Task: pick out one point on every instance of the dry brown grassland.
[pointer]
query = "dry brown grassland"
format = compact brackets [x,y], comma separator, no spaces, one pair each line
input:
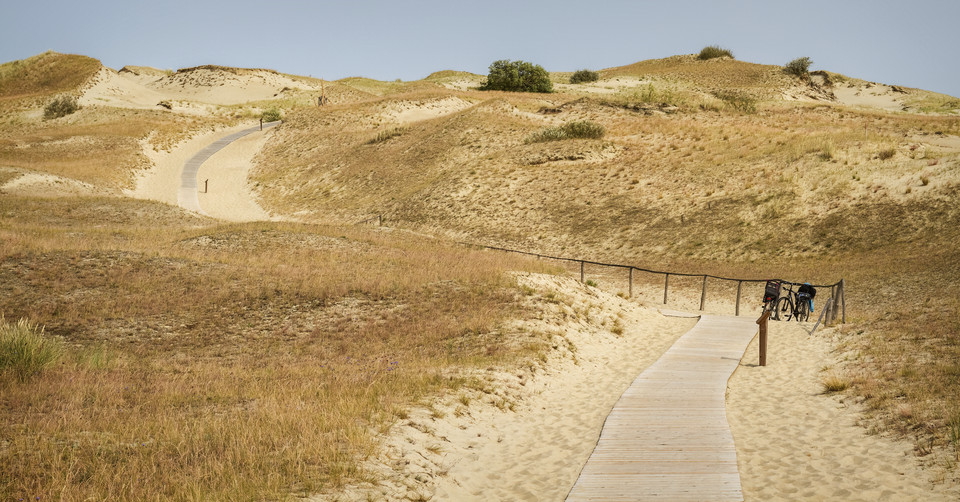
[228,361]
[215,361]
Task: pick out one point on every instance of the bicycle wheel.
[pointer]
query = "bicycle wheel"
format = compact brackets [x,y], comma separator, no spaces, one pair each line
[784,309]
[803,311]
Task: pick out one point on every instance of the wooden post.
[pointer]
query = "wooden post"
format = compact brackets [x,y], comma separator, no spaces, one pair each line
[205,185]
[763,336]
[666,285]
[703,295]
[843,300]
[630,293]
[261,123]
[581,272]
[379,220]
[739,288]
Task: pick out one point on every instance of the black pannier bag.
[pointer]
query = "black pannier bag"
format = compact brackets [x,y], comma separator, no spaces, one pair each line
[772,291]
[807,289]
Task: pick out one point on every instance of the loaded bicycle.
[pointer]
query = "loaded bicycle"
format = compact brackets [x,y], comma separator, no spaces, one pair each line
[795,304]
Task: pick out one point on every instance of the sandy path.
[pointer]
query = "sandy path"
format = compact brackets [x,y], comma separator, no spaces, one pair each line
[795,443]
[224,157]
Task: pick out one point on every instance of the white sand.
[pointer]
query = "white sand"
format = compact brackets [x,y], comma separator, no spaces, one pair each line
[796,443]
[229,195]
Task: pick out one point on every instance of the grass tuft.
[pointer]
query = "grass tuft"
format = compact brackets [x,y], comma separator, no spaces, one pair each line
[25,350]
[572,130]
[833,383]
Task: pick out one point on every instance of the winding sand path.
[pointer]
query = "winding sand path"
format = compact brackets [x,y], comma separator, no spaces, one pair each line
[229,174]
[225,158]
[668,438]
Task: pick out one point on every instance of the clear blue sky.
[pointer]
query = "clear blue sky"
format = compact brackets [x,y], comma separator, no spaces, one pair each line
[912,43]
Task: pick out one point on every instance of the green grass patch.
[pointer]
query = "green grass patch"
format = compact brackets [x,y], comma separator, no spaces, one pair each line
[25,350]
[572,130]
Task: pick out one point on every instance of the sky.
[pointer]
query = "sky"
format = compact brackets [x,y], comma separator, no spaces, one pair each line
[912,44]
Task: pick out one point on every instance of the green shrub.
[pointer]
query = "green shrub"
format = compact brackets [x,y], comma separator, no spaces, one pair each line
[581,76]
[517,76]
[799,67]
[271,115]
[584,129]
[714,51]
[61,107]
[25,350]
[571,130]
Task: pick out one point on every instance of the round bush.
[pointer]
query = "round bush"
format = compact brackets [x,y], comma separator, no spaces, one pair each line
[799,67]
[714,51]
[517,76]
[581,76]
[61,107]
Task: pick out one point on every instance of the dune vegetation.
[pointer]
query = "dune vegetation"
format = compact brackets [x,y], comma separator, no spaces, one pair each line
[207,360]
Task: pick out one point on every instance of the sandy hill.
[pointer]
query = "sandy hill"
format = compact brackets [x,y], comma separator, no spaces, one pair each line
[719,166]
[44,75]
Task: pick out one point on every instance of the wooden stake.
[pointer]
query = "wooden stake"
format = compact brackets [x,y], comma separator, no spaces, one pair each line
[205,184]
[739,287]
[581,272]
[703,294]
[666,285]
[763,337]
[630,294]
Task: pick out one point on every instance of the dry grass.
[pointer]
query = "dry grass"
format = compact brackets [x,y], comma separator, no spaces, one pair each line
[227,361]
[95,145]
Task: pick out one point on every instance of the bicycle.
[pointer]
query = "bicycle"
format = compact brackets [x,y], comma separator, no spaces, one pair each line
[792,305]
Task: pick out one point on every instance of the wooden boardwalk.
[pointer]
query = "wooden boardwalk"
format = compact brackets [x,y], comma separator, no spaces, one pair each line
[667,437]
[187,197]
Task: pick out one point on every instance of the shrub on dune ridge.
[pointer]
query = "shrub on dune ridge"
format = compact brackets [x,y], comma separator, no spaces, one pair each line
[714,51]
[581,76]
[517,76]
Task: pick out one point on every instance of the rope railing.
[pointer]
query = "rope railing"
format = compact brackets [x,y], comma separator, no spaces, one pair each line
[829,315]
[830,310]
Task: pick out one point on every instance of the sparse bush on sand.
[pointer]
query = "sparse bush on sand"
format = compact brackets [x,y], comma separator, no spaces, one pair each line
[714,51]
[386,134]
[61,107]
[581,76]
[799,67]
[581,129]
[517,76]
[272,115]
[25,350]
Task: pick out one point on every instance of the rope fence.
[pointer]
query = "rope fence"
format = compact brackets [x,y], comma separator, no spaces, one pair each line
[834,307]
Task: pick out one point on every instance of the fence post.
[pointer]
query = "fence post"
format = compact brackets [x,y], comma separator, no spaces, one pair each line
[703,295]
[739,288]
[763,336]
[379,220]
[206,183]
[666,285]
[261,123]
[581,272]
[630,294]
[843,300]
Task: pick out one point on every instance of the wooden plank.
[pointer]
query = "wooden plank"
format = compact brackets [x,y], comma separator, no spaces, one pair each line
[668,438]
